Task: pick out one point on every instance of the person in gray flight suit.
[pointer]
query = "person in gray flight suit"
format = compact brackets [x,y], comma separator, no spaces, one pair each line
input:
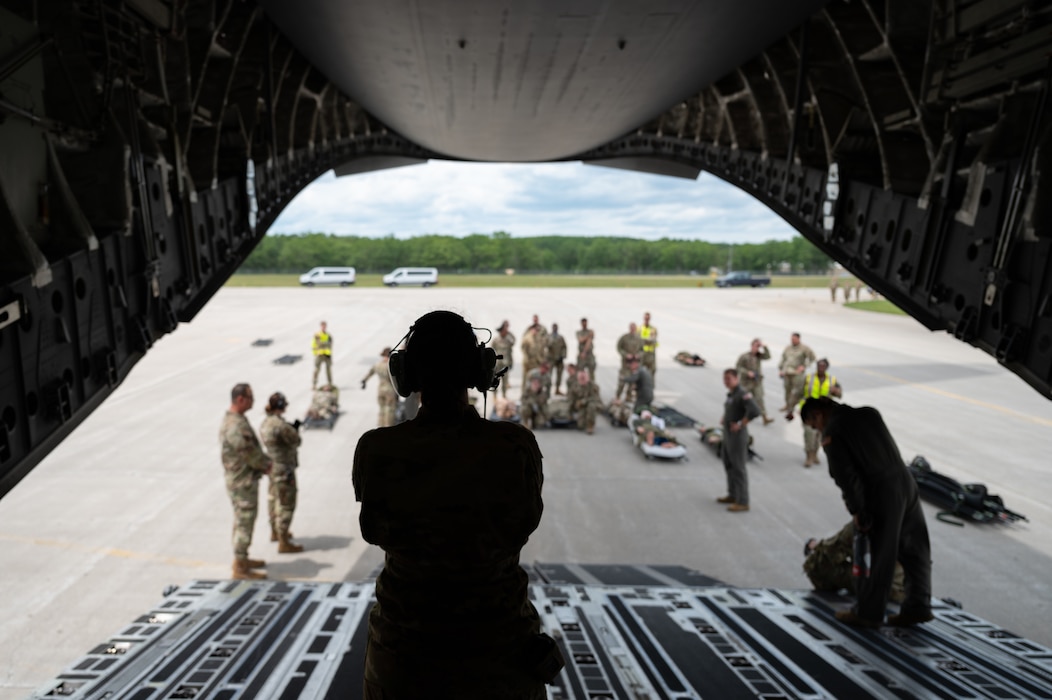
[738,409]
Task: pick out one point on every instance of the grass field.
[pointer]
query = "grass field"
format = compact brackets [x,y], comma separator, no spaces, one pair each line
[452,280]
[879,305]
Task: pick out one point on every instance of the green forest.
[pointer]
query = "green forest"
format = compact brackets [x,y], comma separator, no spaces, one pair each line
[496,252]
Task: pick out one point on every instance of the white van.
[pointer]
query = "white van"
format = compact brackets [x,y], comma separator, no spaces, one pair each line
[424,276]
[343,276]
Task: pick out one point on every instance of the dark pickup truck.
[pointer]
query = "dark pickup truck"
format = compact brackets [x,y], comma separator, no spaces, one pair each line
[741,279]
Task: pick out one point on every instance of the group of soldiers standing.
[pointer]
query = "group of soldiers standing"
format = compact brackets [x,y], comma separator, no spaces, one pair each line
[545,353]
[245,462]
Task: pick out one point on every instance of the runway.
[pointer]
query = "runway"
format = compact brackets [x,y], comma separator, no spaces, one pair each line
[134,501]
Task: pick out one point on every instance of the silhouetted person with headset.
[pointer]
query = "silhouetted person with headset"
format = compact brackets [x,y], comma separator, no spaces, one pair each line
[451,498]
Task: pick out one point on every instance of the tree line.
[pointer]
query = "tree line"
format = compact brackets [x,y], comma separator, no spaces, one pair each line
[496,252]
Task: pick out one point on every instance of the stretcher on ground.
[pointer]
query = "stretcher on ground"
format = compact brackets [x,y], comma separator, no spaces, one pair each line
[659,449]
[559,414]
[324,408]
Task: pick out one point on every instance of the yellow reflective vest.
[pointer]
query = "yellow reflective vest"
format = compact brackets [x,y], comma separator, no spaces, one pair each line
[813,388]
[322,344]
[646,333]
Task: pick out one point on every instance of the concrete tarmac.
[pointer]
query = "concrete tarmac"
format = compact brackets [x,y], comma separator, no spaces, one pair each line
[134,502]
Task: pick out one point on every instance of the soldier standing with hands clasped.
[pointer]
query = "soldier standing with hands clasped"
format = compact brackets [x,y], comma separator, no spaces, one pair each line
[244,462]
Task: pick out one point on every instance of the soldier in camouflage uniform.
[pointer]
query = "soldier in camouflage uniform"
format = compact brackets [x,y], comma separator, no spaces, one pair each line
[544,374]
[584,401]
[796,358]
[557,355]
[533,409]
[628,345]
[244,462]
[534,348]
[386,395]
[281,440]
[503,342]
[750,373]
[827,564]
[586,347]
[451,498]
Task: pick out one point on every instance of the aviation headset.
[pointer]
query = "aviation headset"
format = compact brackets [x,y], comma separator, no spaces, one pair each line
[277,402]
[476,370]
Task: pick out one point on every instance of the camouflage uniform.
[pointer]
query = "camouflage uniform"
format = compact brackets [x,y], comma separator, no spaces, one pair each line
[627,345]
[619,411]
[642,426]
[586,350]
[828,566]
[451,499]
[503,345]
[244,462]
[534,349]
[324,403]
[281,440]
[545,378]
[386,395]
[793,379]
[533,409]
[748,362]
[585,404]
[557,357]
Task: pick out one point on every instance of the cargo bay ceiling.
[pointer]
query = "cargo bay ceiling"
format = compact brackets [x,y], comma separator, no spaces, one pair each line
[147,145]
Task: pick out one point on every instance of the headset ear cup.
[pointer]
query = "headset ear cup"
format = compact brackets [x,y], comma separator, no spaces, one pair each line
[487,363]
[396,366]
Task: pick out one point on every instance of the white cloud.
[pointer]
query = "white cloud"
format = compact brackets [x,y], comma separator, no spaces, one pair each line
[529,200]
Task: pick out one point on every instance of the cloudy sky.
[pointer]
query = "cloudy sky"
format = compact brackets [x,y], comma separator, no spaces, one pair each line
[529,200]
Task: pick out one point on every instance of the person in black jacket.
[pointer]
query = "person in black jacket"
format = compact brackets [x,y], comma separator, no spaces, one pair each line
[882,497]
[451,498]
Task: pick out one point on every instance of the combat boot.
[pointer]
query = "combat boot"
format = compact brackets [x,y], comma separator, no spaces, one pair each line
[242,571]
[287,546]
[810,459]
[255,563]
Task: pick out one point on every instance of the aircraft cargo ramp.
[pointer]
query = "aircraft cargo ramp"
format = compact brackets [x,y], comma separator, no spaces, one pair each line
[626,632]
